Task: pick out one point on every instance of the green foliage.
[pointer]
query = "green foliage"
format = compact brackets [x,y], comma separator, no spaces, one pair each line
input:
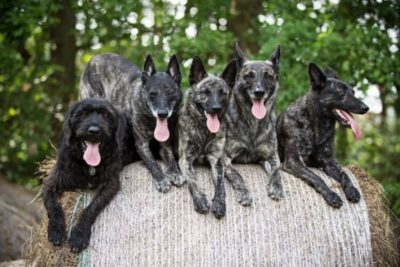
[350,36]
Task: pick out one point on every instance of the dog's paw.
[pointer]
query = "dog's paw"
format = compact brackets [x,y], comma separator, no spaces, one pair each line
[56,233]
[333,200]
[176,179]
[245,198]
[352,194]
[201,204]
[218,208]
[79,239]
[275,190]
[164,185]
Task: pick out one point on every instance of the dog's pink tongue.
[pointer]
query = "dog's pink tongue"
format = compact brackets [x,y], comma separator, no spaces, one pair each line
[161,133]
[354,127]
[259,111]
[212,122]
[92,155]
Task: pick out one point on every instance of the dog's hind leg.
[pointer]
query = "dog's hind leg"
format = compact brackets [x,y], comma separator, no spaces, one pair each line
[218,205]
[237,182]
[56,226]
[331,167]
[142,147]
[294,165]
[272,168]
[81,232]
[173,172]
[199,198]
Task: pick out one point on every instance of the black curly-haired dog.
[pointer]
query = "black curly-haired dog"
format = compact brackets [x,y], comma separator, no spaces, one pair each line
[93,151]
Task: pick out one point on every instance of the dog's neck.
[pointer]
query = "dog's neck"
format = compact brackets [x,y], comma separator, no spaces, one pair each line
[323,125]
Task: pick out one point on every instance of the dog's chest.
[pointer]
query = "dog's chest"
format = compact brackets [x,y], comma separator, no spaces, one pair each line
[314,137]
[250,142]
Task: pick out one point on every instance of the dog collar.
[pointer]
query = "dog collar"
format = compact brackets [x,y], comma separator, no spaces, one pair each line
[92,171]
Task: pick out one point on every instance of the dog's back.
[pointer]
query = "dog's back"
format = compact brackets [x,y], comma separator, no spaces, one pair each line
[111,77]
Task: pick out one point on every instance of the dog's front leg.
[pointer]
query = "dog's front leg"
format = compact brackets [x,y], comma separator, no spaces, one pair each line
[81,232]
[331,167]
[272,168]
[294,165]
[199,198]
[237,182]
[56,225]
[163,184]
[173,172]
[218,205]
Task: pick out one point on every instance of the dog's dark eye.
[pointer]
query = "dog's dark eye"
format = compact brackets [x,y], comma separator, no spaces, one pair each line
[248,77]
[153,94]
[266,75]
[207,91]
[221,91]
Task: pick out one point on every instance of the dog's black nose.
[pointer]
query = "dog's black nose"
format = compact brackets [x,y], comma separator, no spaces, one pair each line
[216,108]
[259,93]
[162,114]
[93,130]
[364,109]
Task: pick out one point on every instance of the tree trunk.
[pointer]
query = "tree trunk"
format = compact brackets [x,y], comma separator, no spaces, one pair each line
[244,23]
[342,144]
[63,53]
[382,94]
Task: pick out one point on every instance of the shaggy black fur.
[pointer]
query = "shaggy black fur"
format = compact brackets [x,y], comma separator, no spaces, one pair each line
[95,121]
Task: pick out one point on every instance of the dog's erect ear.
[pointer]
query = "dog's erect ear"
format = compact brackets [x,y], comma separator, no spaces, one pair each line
[330,73]
[197,71]
[67,128]
[275,58]
[173,70]
[229,74]
[317,76]
[240,57]
[149,69]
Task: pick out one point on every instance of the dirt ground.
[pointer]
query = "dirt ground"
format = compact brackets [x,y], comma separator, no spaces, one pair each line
[17,218]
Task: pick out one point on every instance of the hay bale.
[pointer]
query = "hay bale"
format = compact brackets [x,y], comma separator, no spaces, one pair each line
[383,239]
[142,227]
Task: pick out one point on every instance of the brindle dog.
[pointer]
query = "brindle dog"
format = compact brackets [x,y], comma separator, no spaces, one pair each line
[251,118]
[306,132]
[150,98]
[202,132]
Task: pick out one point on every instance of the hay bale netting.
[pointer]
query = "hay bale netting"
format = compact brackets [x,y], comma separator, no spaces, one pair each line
[142,227]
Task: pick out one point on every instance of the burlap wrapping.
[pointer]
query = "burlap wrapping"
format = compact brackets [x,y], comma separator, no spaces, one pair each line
[142,227]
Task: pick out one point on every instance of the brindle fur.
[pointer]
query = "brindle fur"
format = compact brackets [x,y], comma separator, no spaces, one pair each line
[143,95]
[209,94]
[306,132]
[250,140]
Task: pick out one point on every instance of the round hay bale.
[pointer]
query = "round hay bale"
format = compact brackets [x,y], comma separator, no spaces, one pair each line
[142,227]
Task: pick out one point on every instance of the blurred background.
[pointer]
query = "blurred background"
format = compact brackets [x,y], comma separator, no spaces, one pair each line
[44,46]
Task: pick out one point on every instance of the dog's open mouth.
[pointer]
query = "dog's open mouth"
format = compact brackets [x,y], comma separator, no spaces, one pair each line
[258,109]
[347,120]
[91,153]
[213,123]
